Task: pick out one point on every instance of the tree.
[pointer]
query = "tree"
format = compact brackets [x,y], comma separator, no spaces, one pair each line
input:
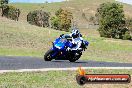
[55,23]
[62,20]
[129,23]
[10,12]
[111,20]
[2,2]
[39,18]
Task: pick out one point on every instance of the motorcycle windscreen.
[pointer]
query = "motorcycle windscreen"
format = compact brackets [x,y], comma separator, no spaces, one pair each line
[60,43]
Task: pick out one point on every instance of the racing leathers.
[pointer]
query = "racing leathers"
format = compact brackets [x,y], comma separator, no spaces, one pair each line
[75,41]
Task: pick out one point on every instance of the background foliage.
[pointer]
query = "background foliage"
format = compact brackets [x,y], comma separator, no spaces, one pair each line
[39,18]
[62,20]
[112,22]
[3,2]
[8,10]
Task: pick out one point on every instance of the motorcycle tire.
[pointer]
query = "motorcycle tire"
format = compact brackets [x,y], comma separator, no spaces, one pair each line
[47,56]
[73,59]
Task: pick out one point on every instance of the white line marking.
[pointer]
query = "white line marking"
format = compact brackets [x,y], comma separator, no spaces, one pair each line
[61,69]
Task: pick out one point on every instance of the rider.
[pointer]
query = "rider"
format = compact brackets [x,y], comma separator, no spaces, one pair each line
[76,39]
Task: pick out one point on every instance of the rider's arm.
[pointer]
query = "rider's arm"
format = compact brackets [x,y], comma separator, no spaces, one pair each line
[77,47]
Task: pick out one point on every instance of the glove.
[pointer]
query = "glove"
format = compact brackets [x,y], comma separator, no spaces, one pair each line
[61,35]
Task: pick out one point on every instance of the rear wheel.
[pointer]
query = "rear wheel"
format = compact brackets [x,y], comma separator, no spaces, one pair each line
[47,56]
[75,57]
[72,60]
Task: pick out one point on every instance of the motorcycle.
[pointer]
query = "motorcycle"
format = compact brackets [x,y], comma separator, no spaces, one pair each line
[59,50]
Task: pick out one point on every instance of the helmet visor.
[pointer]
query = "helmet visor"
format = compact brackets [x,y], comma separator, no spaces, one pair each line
[74,35]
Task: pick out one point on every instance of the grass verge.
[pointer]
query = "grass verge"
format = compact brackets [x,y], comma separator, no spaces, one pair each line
[55,79]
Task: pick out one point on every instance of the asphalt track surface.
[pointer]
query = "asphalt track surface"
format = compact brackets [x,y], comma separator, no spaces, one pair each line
[16,63]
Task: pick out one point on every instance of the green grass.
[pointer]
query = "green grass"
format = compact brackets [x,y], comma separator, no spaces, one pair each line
[103,49]
[23,39]
[55,79]
[20,52]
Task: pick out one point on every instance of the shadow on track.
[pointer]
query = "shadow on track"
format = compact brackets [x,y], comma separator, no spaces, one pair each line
[69,61]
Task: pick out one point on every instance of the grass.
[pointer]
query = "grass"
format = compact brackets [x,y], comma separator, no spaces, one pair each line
[23,39]
[20,52]
[104,50]
[55,79]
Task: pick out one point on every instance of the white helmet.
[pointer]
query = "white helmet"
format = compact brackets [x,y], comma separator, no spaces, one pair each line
[75,33]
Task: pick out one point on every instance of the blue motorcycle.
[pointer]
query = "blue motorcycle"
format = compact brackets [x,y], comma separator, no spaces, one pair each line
[59,50]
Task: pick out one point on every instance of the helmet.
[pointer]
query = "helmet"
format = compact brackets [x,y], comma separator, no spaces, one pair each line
[75,33]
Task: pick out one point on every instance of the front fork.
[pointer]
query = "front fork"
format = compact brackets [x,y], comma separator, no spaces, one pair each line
[54,54]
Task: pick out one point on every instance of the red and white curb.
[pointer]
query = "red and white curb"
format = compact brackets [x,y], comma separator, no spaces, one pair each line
[62,69]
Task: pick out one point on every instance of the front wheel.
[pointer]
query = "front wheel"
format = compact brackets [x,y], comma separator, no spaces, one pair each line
[47,56]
